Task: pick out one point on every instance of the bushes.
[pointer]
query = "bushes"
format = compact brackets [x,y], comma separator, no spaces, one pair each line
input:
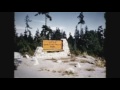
[23,46]
[77,52]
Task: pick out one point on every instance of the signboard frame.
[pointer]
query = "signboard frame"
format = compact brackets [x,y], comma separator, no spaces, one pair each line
[52,45]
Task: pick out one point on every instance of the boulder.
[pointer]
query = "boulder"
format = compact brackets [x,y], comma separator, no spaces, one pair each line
[36,61]
[78,65]
[70,70]
[27,56]
[17,55]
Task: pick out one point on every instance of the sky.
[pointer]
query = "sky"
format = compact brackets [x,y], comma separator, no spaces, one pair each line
[66,21]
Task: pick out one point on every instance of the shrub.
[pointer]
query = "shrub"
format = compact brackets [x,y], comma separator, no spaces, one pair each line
[90,69]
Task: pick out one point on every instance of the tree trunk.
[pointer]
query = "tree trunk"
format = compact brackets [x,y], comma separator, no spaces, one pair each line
[45,20]
[75,45]
[81,26]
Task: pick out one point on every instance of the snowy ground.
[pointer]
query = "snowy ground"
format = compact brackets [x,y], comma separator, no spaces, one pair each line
[58,68]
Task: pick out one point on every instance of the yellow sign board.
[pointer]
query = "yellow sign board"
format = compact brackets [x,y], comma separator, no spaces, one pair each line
[52,45]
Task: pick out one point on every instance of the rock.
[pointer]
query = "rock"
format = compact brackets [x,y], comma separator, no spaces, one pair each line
[17,59]
[70,70]
[27,56]
[36,61]
[17,55]
[78,65]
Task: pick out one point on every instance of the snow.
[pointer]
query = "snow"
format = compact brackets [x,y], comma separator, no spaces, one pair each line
[17,55]
[27,56]
[56,69]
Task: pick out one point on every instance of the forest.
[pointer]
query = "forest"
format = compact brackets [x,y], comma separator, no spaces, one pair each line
[83,41]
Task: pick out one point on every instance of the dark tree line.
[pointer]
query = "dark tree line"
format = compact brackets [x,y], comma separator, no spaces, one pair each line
[90,41]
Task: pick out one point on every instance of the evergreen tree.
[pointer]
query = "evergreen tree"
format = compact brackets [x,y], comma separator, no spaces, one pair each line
[27,28]
[46,29]
[76,35]
[57,35]
[86,29]
[38,39]
[30,38]
[101,35]
[64,35]
[46,16]
[81,20]
[71,41]
[15,39]
[27,20]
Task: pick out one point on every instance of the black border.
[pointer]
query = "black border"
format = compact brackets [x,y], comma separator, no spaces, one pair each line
[111,44]
[7,44]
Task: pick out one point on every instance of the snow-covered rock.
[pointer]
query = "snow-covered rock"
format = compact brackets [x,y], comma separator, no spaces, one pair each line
[36,61]
[70,70]
[27,56]
[17,55]
[39,53]
[78,65]
[17,59]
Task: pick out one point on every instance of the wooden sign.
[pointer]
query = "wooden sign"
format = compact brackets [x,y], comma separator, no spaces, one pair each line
[52,45]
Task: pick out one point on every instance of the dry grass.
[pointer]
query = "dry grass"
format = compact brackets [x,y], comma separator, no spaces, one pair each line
[67,73]
[54,71]
[84,61]
[90,69]
[100,63]
[65,58]
[89,75]
[84,56]
[59,71]
[72,55]
[73,64]
[53,59]
[65,61]
[73,59]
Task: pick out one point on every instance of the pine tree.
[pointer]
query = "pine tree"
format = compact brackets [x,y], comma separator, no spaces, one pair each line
[76,35]
[37,38]
[45,27]
[27,20]
[81,20]
[64,35]
[57,34]
[27,28]
[46,16]
[70,41]
[101,35]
